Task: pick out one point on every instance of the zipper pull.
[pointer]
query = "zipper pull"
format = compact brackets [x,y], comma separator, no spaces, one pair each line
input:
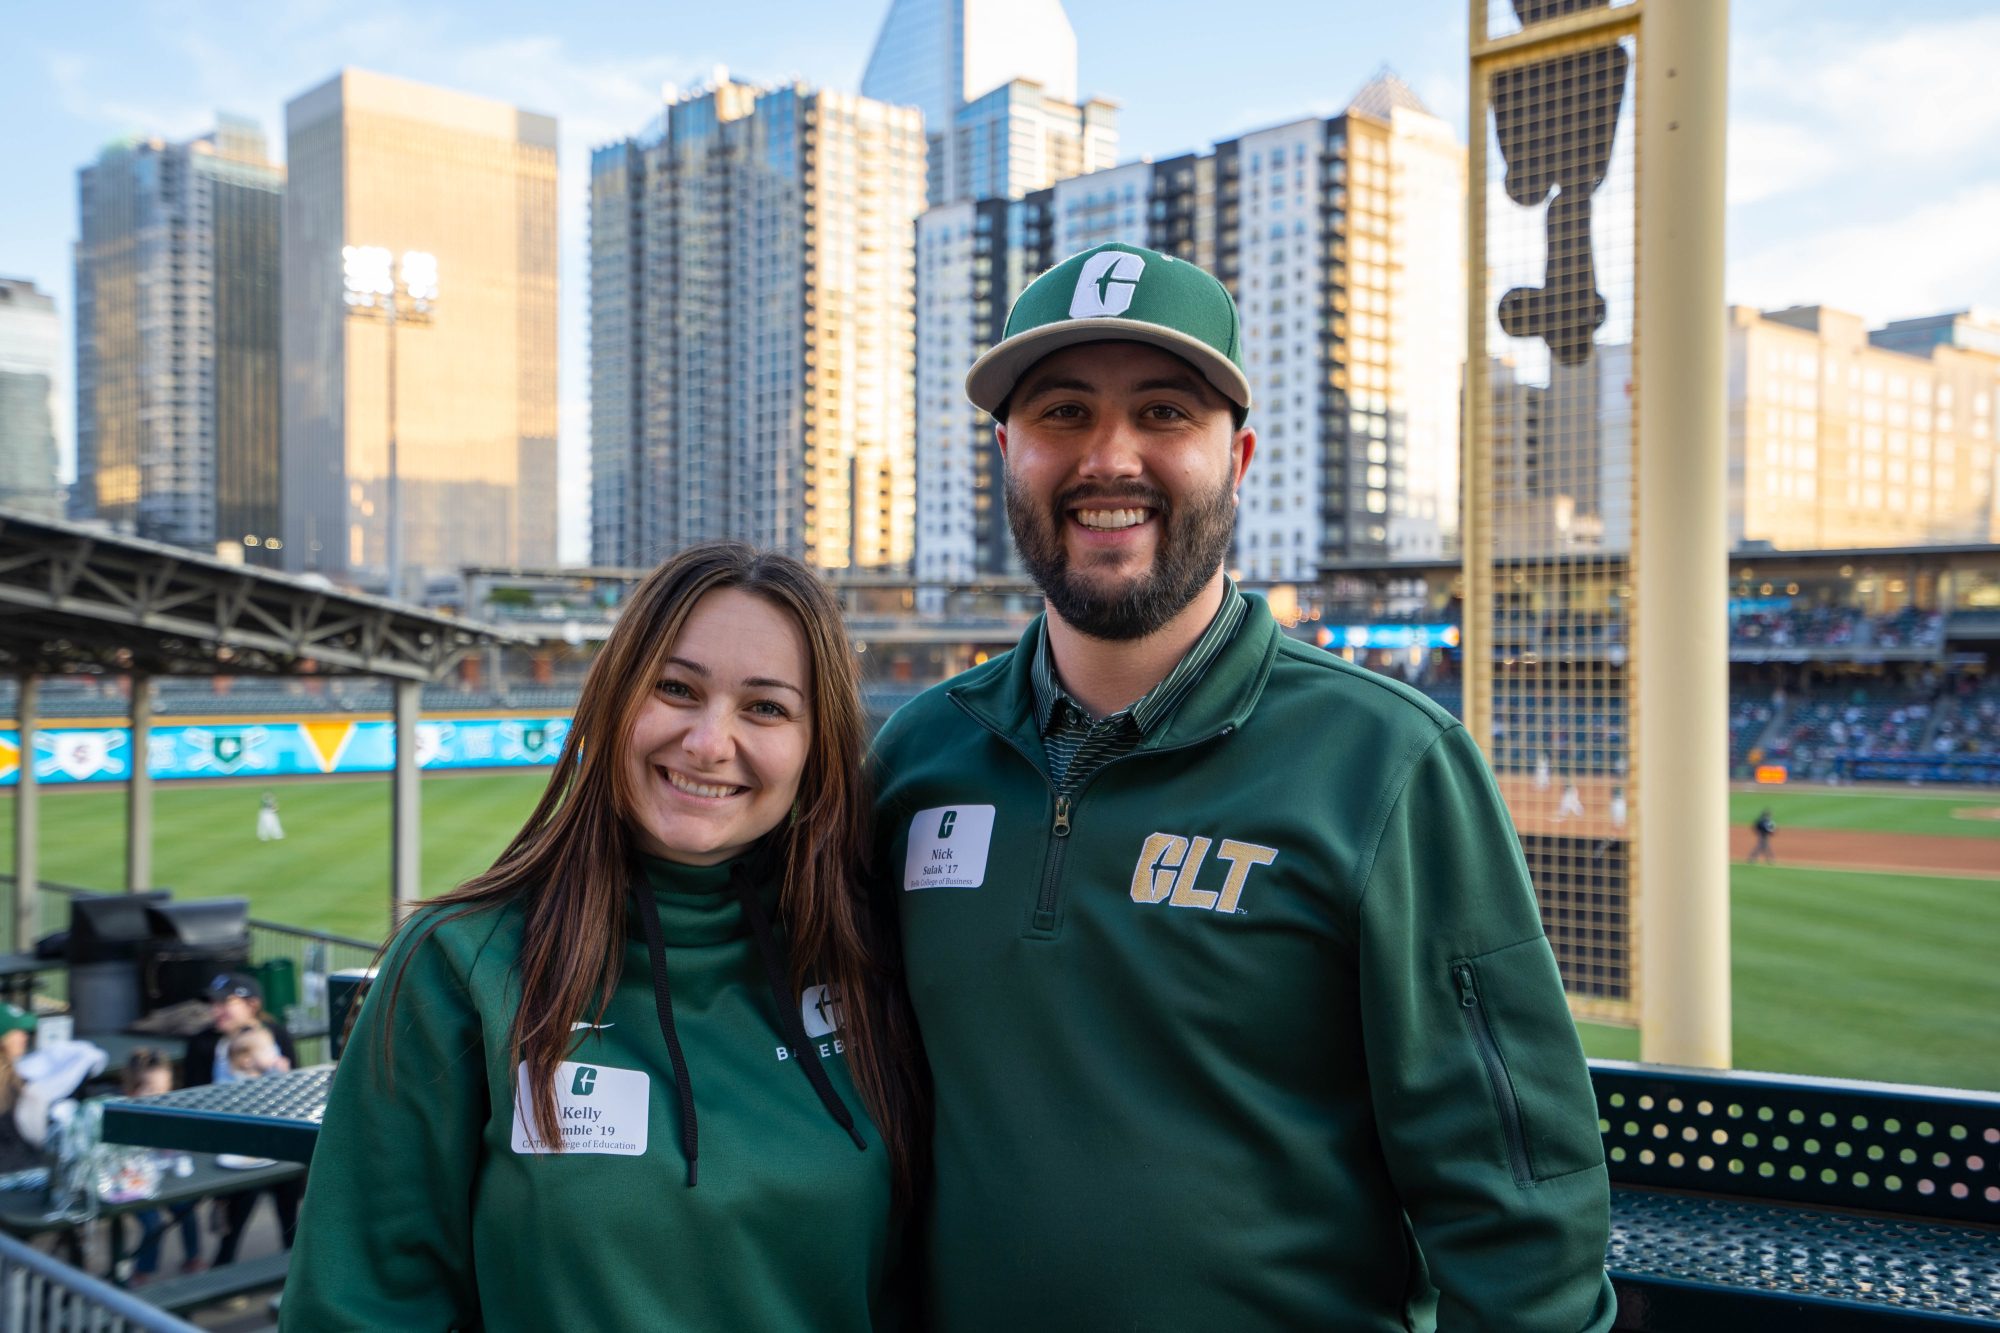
[1062,817]
[1466,997]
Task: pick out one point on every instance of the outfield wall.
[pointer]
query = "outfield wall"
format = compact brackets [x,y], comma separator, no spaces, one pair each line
[256,748]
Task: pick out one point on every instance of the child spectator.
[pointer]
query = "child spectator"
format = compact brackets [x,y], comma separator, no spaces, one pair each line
[147,1074]
[253,1052]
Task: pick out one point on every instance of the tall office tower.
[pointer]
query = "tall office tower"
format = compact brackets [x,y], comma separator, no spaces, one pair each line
[1340,240]
[30,343]
[996,81]
[470,391]
[752,328]
[177,295]
[1562,456]
[1841,437]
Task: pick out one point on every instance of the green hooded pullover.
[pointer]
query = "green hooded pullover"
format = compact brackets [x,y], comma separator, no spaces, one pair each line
[428,1206]
[1258,1031]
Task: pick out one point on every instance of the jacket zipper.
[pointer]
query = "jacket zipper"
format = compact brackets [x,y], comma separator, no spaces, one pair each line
[1496,1073]
[1045,899]
[1060,825]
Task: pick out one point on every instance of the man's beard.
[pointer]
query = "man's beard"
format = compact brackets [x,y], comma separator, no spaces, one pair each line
[1192,543]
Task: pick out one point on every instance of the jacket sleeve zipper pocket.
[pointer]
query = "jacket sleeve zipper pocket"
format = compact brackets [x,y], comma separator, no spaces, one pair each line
[1496,1073]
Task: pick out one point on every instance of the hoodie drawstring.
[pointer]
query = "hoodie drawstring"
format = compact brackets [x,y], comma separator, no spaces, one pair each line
[663,1001]
[788,1005]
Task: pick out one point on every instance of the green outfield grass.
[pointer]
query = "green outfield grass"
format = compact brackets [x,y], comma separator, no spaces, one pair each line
[1841,974]
[1853,975]
[330,873]
[1925,810]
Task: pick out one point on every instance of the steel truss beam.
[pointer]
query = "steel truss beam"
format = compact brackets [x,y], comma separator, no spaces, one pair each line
[76,600]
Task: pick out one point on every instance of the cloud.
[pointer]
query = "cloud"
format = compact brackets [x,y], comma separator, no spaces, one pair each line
[1768,158]
[1814,103]
[1933,258]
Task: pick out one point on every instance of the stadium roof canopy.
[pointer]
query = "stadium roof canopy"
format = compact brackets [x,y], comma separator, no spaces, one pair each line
[76,600]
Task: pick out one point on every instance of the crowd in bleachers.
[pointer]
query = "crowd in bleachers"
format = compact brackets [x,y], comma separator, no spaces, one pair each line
[1748,720]
[1835,627]
[1588,739]
[1970,720]
[1861,722]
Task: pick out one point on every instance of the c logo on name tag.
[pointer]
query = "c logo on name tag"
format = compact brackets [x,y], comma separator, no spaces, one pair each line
[600,1110]
[948,847]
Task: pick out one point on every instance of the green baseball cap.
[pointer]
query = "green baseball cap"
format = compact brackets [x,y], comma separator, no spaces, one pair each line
[13,1018]
[1118,293]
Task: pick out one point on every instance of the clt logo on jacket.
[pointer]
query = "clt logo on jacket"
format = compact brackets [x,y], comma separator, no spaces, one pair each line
[1170,867]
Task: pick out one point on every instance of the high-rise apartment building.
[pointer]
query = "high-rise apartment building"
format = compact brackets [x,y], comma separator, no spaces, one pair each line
[958,62]
[30,343]
[177,327]
[1841,437]
[382,162]
[752,328]
[1339,238]
[1018,138]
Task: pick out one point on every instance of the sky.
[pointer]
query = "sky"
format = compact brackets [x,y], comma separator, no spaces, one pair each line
[1864,139]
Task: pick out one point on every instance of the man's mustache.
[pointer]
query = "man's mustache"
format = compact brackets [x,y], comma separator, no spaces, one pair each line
[1127,498]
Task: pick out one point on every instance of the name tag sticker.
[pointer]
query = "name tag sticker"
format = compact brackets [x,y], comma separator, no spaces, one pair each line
[948,847]
[599,1109]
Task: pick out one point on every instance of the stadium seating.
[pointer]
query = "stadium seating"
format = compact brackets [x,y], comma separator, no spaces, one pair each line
[1748,720]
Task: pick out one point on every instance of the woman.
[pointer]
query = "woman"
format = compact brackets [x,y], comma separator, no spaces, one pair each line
[649,1071]
[235,1004]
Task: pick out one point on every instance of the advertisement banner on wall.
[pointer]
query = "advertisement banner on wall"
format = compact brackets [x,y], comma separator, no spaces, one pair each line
[267,749]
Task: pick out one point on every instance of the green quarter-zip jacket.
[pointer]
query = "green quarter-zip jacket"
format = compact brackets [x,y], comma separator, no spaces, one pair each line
[429,1206]
[1257,1031]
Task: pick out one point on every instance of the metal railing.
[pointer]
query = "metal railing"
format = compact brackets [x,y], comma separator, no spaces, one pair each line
[315,955]
[39,1294]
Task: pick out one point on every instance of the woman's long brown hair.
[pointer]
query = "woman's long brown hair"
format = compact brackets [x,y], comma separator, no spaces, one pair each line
[571,866]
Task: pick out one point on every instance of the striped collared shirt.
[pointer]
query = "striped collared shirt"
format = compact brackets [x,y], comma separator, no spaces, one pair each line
[1076,746]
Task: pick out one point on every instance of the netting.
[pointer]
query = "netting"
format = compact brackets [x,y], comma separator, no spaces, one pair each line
[1556,485]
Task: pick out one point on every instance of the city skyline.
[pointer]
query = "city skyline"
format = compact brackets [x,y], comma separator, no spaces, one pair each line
[1863,145]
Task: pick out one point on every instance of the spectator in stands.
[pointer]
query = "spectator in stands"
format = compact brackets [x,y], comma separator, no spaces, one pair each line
[253,1052]
[148,1073]
[236,1002]
[17,1025]
[684,910]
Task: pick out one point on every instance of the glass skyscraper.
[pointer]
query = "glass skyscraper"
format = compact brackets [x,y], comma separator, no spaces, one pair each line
[378,161]
[177,342]
[941,55]
[29,345]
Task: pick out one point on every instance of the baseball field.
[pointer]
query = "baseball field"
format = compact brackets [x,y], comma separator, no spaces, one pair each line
[1865,952]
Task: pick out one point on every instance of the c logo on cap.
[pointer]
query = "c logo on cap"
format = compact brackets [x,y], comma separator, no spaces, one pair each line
[1106,284]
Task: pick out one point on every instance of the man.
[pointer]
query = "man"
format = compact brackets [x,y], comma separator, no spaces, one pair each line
[1231,979]
[268,827]
[1763,826]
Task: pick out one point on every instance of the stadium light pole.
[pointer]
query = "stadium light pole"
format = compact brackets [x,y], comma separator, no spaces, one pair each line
[376,287]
